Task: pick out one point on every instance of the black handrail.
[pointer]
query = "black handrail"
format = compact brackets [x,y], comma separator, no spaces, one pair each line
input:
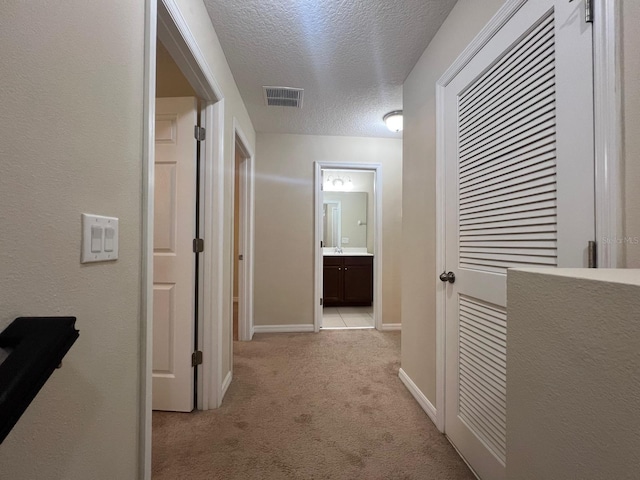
[35,346]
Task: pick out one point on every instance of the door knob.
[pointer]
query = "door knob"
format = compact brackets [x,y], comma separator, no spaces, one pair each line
[448,277]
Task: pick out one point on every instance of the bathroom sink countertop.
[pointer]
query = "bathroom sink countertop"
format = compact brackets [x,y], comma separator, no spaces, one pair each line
[330,251]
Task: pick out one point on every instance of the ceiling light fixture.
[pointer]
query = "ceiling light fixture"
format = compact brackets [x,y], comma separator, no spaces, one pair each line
[393,120]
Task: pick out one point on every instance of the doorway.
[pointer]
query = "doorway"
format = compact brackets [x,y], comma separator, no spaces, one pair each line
[348,235]
[164,22]
[243,226]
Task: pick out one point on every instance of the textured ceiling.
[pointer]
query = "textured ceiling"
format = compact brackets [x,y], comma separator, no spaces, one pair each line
[350,56]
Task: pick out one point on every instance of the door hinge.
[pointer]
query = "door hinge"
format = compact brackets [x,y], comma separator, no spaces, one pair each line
[588,10]
[240,257]
[198,245]
[320,301]
[321,244]
[199,133]
[196,358]
[592,252]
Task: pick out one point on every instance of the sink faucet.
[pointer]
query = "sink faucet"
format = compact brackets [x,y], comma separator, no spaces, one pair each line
[337,250]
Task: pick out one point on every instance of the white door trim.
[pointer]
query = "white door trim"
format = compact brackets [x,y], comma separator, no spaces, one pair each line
[607,154]
[210,376]
[608,132]
[247,219]
[163,19]
[377,242]
[146,287]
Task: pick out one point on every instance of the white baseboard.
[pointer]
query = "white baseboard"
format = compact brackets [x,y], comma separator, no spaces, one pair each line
[422,400]
[283,328]
[388,327]
[225,384]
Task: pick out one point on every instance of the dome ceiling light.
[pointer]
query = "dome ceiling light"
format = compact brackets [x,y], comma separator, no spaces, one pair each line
[393,120]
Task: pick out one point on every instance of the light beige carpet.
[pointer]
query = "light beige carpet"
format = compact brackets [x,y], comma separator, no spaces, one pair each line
[309,406]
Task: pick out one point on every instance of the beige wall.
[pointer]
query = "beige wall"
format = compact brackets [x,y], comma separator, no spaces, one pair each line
[464,22]
[572,364]
[284,222]
[71,122]
[198,21]
[631,136]
[67,71]
[170,82]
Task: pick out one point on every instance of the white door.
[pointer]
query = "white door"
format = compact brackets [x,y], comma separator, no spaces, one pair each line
[519,193]
[173,257]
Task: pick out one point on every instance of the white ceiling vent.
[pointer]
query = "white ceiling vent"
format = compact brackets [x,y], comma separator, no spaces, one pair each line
[283,96]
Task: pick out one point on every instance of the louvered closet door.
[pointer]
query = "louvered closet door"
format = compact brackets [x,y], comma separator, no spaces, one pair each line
[519,193]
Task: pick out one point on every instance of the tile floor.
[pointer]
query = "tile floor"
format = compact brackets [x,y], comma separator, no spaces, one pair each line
[347,317]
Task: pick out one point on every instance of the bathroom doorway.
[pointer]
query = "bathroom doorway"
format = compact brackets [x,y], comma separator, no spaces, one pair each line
[348,275]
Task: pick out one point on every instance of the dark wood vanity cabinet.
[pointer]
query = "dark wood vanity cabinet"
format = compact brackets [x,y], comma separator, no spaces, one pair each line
[347,281]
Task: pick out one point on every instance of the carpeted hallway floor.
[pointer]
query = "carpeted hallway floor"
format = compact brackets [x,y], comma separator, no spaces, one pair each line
[309,406]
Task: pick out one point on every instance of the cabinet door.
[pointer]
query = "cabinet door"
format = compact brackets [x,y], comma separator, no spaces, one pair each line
[332,285]
[358,284]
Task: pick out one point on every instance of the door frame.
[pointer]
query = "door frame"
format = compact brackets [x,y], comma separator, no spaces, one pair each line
[377,241]
[246,233]
[608,180]
[164,20]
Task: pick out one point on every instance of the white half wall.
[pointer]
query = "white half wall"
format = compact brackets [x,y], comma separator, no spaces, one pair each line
[573,388]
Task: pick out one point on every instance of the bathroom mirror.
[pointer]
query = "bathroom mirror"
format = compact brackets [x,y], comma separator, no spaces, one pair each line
[345,219]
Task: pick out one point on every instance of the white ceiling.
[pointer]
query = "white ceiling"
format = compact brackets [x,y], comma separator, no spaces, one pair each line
[350,56]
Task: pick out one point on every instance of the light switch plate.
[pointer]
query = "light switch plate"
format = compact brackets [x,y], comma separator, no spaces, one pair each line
[107,248]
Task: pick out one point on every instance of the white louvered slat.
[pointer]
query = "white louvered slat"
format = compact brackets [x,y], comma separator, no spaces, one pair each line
[521,184]
[511,142]
[519,205]
[533,38]
[513,91]
[507,161]
[511,67]
[482,367]
[514,176]
[540,147]
[508,164]
[539,119]
[520,80]
[526,211]
[545,191]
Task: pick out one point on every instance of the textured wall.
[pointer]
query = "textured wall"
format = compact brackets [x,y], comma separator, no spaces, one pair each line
[631,117]
[71,142]
[572,374]
[419,189]
[284,259]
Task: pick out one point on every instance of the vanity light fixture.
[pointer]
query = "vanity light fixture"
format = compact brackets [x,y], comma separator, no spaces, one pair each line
[393,120]
[339,182]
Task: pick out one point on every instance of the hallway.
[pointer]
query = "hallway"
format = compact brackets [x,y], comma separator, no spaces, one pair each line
[304,406]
